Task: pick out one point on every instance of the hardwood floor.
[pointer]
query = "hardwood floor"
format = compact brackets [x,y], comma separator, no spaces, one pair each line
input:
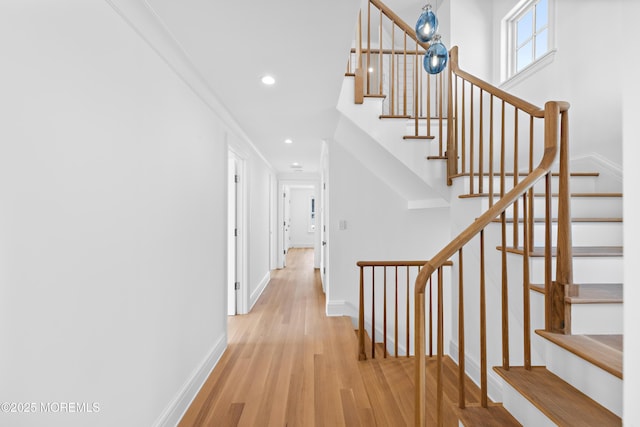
[288,364]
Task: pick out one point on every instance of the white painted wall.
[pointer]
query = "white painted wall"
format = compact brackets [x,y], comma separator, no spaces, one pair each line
[581,72]
[301,237]
[631,136]
[378,227]
[113,219]
[260,178]
[467,24]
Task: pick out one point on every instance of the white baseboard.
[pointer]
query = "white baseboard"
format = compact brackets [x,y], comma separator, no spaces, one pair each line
[341,308]
[176,409]
[261,287]
[301,245]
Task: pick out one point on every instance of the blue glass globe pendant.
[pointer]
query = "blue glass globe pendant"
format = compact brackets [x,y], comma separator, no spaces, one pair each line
[427,24]
[436,57]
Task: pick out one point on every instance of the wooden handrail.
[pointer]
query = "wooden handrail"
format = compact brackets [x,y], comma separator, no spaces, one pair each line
[399,22]
[393,263]
[485,219]
[519,103]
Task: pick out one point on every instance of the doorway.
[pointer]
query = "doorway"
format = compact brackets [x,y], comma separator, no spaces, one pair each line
[232,236]
[299,210]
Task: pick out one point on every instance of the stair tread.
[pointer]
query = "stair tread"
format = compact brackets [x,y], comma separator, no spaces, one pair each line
[394,116]
[476,195]
[561,402]
[573,220]
[495,415]
[604,351]
[590,293]
[418,137]
[497,175]
[577,251]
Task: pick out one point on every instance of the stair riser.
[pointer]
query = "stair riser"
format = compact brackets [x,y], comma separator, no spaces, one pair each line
[523,410]
[596,383]
[581,207]
[594,319]
[585,269]
[582,234]
[578,184]
[409,128]
[589,319]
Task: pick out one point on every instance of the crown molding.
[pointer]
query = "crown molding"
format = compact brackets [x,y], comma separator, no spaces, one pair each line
[144,20]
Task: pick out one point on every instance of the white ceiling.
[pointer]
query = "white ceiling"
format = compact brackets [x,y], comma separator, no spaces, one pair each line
[303,44]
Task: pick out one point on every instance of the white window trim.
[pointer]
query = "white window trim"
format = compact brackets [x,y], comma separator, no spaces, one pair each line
[508,73]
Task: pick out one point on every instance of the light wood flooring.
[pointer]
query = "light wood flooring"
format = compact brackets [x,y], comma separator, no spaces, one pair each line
[288,364]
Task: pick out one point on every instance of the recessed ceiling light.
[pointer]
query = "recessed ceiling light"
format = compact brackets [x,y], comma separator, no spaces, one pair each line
[268,80]
[288,141]
[295,165]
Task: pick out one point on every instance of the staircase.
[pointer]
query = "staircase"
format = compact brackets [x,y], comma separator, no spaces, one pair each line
[542,266]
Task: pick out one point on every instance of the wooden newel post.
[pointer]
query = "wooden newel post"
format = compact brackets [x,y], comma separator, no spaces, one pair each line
[564,256]
[358,95]
[557,314]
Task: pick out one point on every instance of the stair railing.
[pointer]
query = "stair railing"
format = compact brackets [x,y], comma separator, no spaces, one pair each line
[387,63]
[386,300]
[471,138]
[494,139]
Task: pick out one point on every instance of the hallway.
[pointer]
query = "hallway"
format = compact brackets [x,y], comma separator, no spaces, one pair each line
[287,364]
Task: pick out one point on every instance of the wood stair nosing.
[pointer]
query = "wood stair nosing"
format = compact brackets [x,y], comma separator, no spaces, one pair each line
[418,137]
[603,351]
[395,116]
[540,220]
[577,251]
[539,195]
[511,174]
[558,400]
[374,95]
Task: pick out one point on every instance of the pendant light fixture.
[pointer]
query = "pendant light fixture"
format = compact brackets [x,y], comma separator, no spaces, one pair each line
[437,55]
[427,24]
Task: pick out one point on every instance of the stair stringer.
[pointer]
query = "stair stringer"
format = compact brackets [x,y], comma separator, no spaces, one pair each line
[388,133]
[388,168]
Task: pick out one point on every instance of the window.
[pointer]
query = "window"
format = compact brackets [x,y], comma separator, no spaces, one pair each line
[529,29]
